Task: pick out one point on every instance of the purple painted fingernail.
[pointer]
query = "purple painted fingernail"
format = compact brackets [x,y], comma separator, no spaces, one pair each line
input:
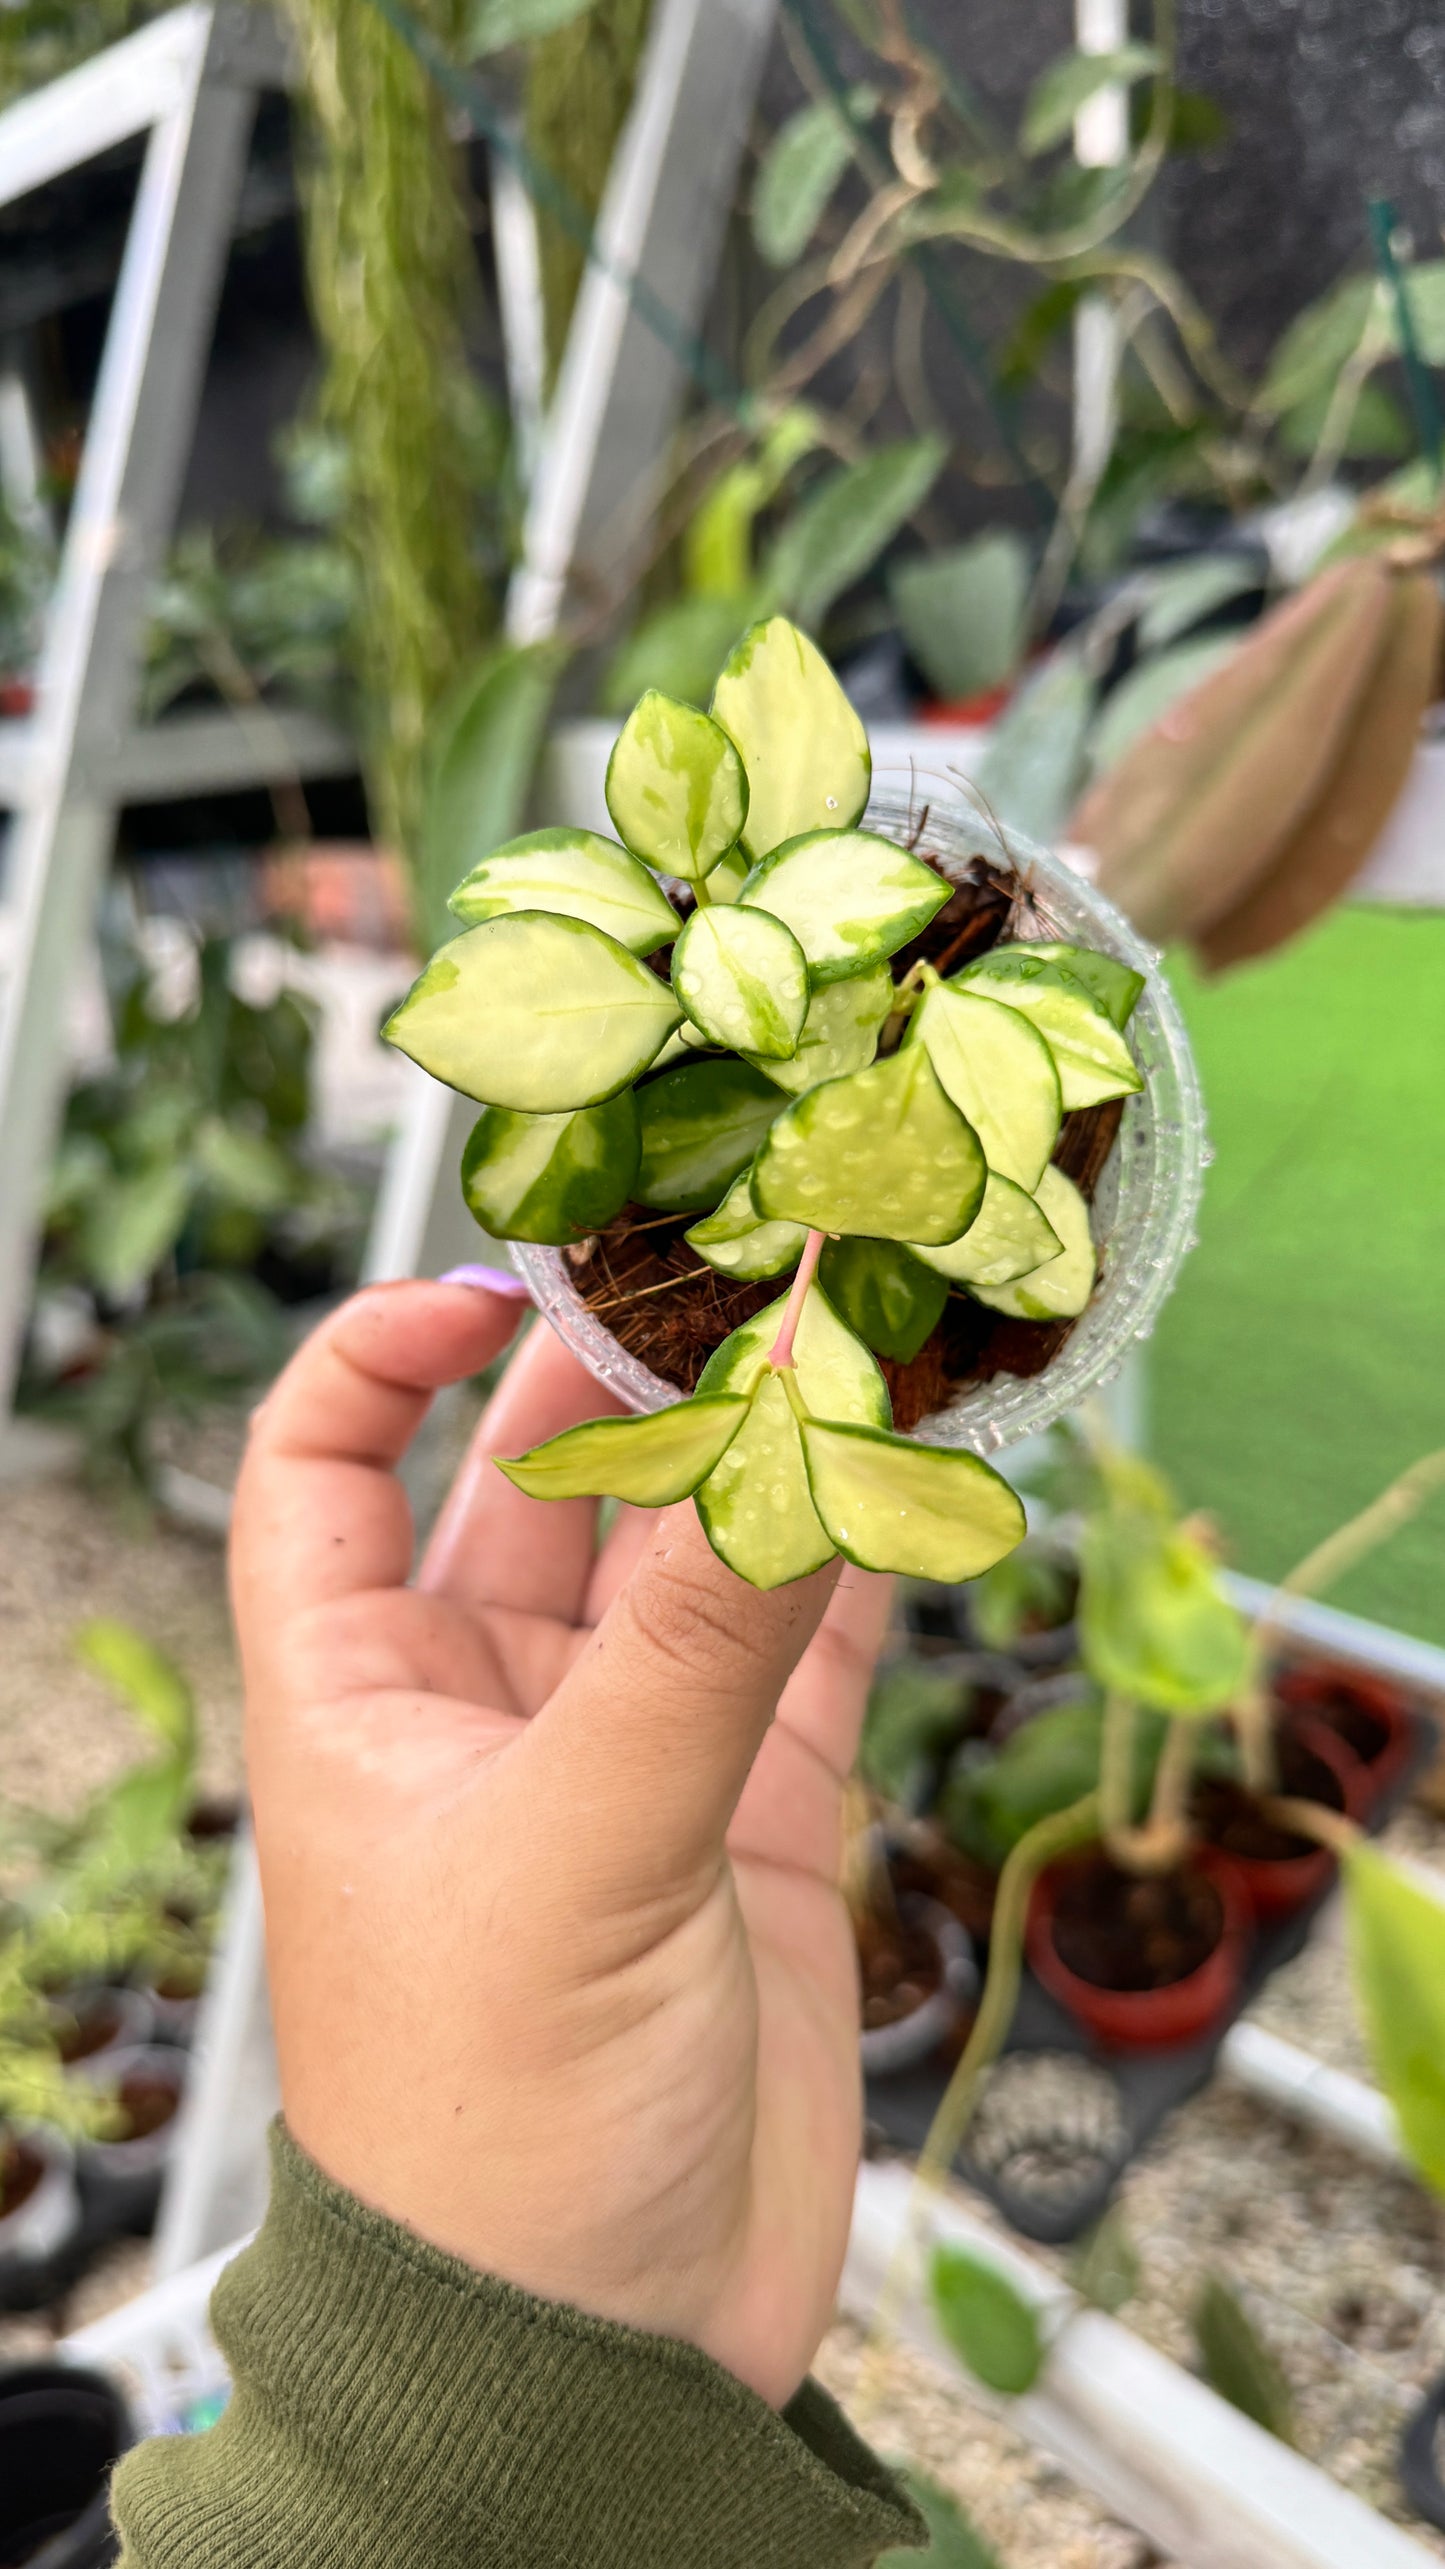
[489,1280]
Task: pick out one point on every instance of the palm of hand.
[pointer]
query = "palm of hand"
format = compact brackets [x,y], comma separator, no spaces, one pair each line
[512,1919]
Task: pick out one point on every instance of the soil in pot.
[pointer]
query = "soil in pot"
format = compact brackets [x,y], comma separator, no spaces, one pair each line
[1143,1961]
[927,1864]
[639,1276]
[146,2102]
[1280,1870]
[21,2171]
[88,2022]
[918,1978]
[212,1821]
[901,1969]
[1368,1714]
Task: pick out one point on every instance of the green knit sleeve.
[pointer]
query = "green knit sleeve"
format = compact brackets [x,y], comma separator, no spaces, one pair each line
[394,2410]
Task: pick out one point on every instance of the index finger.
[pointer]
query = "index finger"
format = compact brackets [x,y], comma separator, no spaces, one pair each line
[319,1512]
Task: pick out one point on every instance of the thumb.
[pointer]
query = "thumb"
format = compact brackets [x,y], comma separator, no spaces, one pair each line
[649,1739]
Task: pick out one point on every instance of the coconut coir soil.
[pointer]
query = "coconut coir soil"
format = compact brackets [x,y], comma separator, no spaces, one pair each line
[642,1279]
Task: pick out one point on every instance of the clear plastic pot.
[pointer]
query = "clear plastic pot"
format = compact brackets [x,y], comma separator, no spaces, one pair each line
[1145,1206]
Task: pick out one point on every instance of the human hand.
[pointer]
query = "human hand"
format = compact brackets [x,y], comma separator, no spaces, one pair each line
[550,1843]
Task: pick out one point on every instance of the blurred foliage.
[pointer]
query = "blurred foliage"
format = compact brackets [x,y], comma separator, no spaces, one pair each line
[1031,1590]
[953,2542]
[577,88]
[39,39]
[26,571]
[913,1712]
[988,2323]
[1154,1622]
[1236,2362]
[1104,2266]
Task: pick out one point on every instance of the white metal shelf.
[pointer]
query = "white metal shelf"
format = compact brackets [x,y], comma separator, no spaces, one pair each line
[212,750]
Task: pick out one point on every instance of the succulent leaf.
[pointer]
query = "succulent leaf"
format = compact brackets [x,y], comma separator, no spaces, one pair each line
[919,1509]
[1061,1287]
[701,1124]
[803,746]
[1000,1074]
[739,1243]
[840,1031]
[577,874]
[676,788]
[742,977]
[1090,1054]
[1008,1237]
[1112,985]
[650,1462]
[883,1154]
[536,1012]
[755,1507]
[881,1290]
[849,896]
[551,1177]
[836,1375]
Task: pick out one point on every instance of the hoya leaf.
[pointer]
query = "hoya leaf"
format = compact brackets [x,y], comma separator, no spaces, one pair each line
[536,1012]
[1000,1074]
[796,176]
[577,875]
[882,1153]
[804,748]
[739,1243]
[650,1462]
[849,896]
[728,876]
[701,1125]
[1061,1287]
[1090,1054]
[1154,1622]
[1009,1236]
[1397,1956]
[1113,986]
[675,787]
[1067,84]
[836,1375]
[743,979]
[755,1507]
[880,1289]
[992,2329]
[554,1178]
[680,647]
[840,1031]
[922,1510]
[962,612]
[836,534]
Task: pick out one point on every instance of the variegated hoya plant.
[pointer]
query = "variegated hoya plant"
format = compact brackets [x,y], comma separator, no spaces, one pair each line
[900,1130]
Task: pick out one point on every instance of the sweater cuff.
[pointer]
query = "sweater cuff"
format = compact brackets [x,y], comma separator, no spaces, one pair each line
[395,2410]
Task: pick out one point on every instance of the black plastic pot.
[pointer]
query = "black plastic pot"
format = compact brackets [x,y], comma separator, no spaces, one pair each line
[43,2232]
[61,2433]
[1420,2457]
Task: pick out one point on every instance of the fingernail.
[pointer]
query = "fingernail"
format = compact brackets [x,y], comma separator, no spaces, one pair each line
[489,1280]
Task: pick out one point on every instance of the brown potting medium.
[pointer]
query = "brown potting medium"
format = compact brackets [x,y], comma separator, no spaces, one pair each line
[21,2170]
[1233,1821]
[641,1278]
[88,2030]
[1129,1931]
[901,1969]
[147,2103]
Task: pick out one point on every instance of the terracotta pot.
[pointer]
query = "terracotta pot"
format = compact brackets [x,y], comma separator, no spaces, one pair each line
[1278,1885]
[1146,2020]
[886,2049]
[1351,1704]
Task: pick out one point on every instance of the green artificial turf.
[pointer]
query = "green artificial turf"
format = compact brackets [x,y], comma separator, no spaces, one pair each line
[1301,1363]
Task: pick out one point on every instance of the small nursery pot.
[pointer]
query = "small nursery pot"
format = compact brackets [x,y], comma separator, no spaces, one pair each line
[1369,1715]
[1421,2456]
[1154,2017]
[92,2023]
[39,2213]
[945,1988]
[61,2433]
[1281,1873]
[121,2180]
[174,2008]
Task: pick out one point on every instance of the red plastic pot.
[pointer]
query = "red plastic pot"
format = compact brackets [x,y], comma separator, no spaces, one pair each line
[1319,1690]
[1277,1885]
[1147,2020]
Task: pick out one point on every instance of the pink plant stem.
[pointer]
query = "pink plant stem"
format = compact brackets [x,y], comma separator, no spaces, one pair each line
[782,1355]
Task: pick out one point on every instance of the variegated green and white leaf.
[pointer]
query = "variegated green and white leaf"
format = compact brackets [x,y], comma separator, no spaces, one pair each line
[803,746]
[1009,1236]
[739,1243]
[651,1462]
[755,1506]
[999,1072]
[701,1124]
[577,874]
[836,1375]
[534,1011]
[918,1509]
[1090,1054]
[883,1291]
[676,789]
[1112,985]
[883,1154]
[849,896]
[840,1032]
[553,1178]
[1060,1289]
[743,980]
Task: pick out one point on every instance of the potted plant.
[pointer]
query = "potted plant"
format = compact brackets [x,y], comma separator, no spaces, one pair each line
[122,2168]
[62,2430]
[863,1068]
[43,2110]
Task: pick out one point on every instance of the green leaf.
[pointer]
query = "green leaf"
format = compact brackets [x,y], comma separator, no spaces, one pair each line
[575,874]
[839,530]
[701,1125]
[728,876]
[1090,1054]
[882,1153]
[755,1508]
[675,787]
[803,747]
[1008,1237]
[743,979]
[738,1243]
[650,1462]
[1317,344]
[1236,2362]
[132,1223]
[244,1166]
[1181,594]
[836,1375]
[535,1012]
[1376,429]
[150,1684]
[1000,1074]
[555,1178]
[961,612]
[1061,1286]
[986,2320]
[1154,1623]
[1030,766]
[1396,1930]
[717,547]
[488,739]
[850,897]
[1105,2268]
[680,650]
[953,2542]
[1068,84]
[914,1712]
[1145,696]
[840,1031]
[883,1293]
[798,173]
[921,1510]
[1051,1762]
[1113,986]
[495,24]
